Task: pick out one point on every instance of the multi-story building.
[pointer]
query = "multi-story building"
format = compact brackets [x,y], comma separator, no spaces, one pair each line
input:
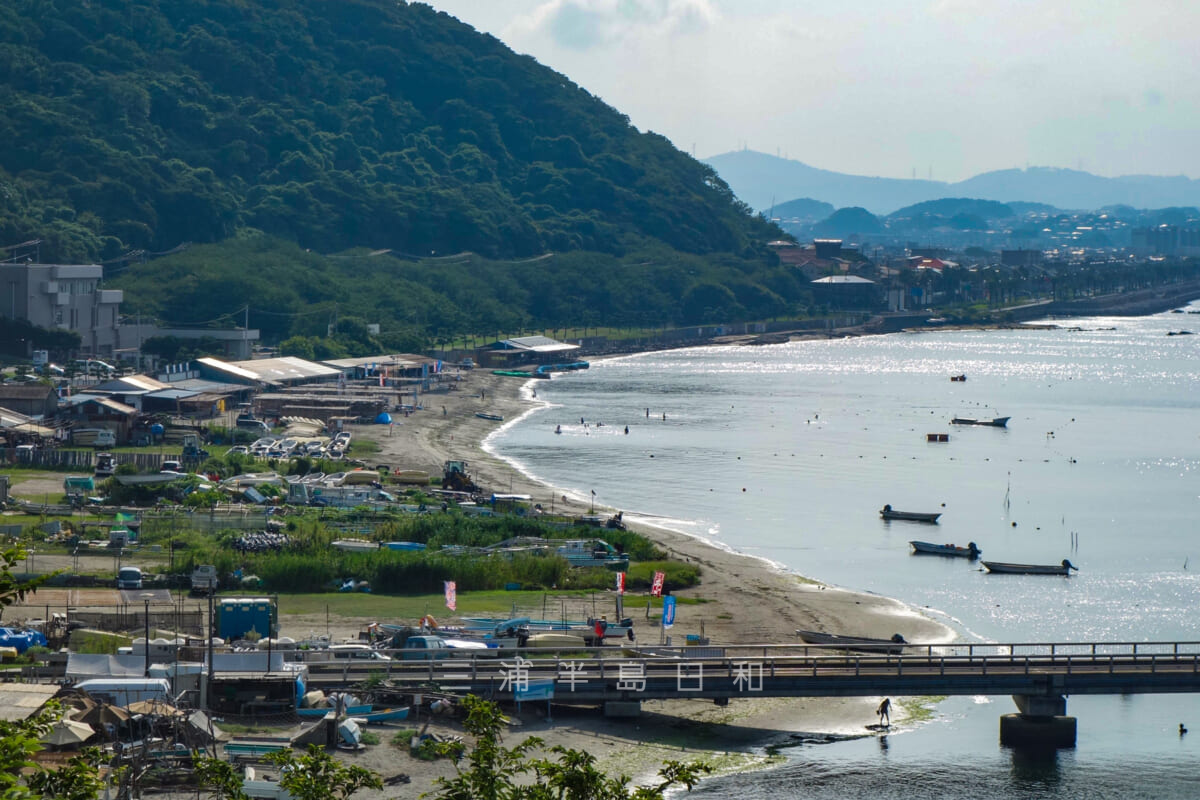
[64,296]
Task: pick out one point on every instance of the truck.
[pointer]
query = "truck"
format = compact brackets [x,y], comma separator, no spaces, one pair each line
[424,648]
[205,579]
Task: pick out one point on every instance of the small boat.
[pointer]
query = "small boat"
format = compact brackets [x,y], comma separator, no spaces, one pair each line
[995,422]
[356,711]
[382,715]
[1030,569]
[971,551]
[958,378]
[887,512]
[892,646]
[485,415]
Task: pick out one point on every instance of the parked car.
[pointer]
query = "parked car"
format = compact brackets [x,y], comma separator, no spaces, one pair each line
[425,648]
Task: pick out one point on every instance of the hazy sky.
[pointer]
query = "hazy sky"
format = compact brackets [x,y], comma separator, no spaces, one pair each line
[950,88]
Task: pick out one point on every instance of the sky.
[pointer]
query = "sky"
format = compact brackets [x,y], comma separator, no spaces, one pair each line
[894,88]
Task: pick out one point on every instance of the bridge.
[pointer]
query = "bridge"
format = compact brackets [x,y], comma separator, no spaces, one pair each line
[1039,676]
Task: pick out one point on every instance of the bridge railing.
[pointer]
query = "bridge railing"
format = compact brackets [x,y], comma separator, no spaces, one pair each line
[812,660]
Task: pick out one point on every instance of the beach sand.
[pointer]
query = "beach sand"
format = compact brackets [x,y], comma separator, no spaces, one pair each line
[757,602]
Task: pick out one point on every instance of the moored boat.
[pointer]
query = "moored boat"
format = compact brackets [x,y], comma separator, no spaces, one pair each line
[485,415]
[994,422]
[887,512]
[971,551]
[356,711]
[893,646]
[1030,569]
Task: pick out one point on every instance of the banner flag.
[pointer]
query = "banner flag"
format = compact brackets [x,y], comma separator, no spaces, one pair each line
[656,588]
[668,617]
[620,583]
[451,595]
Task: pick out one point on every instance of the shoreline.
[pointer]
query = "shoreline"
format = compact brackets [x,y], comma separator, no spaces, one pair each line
[735,588]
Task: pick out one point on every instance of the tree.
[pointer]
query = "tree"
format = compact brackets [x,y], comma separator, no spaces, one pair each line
[492,770]
[315,775]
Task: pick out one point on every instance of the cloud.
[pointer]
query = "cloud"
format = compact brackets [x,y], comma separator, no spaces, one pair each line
[585,24]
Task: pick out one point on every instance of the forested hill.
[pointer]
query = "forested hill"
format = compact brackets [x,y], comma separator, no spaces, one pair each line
[330,123]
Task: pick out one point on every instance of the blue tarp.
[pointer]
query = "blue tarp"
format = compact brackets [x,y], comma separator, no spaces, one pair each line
[383,419]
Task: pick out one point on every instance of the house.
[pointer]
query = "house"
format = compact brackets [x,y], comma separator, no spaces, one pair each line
[98,411]
[525,350]
[846,292]
[30,399]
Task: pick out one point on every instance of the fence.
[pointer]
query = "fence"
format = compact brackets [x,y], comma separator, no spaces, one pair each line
[84,460]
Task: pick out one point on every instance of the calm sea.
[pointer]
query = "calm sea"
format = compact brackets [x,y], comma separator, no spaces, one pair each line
[787,452]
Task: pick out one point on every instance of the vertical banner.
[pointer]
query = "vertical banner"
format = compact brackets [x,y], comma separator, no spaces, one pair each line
[657,587]
[620,583]
[668,617]
[451,595]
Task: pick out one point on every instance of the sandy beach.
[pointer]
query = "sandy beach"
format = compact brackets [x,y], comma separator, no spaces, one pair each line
[758,604]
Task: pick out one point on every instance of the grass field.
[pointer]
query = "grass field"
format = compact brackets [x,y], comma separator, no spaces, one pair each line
[498,603]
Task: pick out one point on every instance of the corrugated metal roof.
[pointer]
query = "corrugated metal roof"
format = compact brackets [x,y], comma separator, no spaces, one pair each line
[20,701]
[843,279]
[285,368]
[539,344]
[224,366]
[130,384]
[173,394]
[201,385]
[391,360]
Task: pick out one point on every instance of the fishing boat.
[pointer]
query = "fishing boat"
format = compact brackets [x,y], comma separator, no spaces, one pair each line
[887,512]
[971,551]
[994,422]
[485,415]
[892,646]
[1030,569]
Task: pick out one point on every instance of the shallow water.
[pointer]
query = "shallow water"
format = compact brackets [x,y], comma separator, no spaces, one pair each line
[788,451]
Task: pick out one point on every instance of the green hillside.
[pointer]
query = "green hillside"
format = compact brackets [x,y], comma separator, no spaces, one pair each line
[330,123]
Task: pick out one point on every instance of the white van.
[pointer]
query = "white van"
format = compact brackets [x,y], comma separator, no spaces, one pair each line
[93,437]
[129,578]
[357,652]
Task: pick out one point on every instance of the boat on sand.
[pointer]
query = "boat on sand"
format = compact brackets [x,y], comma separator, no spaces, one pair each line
[887,512]
[1030,569]
[971,551]
[892,646]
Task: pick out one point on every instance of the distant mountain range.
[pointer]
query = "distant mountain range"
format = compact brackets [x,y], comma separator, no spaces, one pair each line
[761,180]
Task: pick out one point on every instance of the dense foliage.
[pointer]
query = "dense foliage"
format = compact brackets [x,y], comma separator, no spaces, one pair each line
[355,124]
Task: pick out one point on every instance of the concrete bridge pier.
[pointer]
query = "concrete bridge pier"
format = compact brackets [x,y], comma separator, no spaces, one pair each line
[1041,723]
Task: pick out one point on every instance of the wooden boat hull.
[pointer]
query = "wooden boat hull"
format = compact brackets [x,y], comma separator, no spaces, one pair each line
[1002,568]
[995,422]
[929,548]
[862,644]
[909,516]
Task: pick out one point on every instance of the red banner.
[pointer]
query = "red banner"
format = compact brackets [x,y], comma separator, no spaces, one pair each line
[451,595]
[657,587]
[620,583]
